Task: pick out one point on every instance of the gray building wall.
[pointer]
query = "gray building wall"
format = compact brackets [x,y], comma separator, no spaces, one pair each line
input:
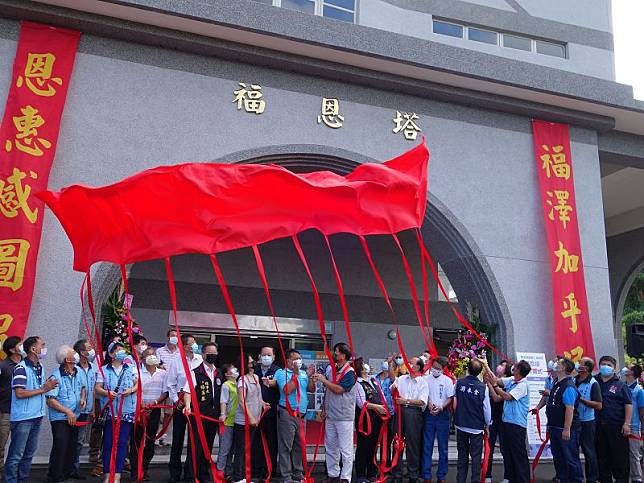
[133,107]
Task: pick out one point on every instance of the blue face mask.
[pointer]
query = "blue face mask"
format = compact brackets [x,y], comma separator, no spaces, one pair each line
[121,355]
[195,348]
[606,370]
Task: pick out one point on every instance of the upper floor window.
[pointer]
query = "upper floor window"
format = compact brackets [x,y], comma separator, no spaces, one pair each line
[344,10]
[488,36]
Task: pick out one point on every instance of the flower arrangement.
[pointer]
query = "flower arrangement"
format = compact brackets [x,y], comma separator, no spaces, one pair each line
[116,315]
[467,346]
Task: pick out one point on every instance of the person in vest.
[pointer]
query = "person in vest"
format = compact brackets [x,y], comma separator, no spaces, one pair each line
[613,424]
[563,424]
[114,382]
[369,402]
[632,374]
[65,403]
[502,370]
[515,393]
[207,381]
[472,415]
[12,347]
[27,409]
[339,411]
[265,370]
[228,406]
[590,400]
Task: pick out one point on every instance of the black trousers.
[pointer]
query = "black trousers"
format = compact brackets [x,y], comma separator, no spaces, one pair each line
[587,437]
[495,435]
[366,449]
[515,453]
[613,455]
[179,424]
[239,445]
[412,429]
[269,426]
[203,467]
[63,451]
[148,443]
[468,446]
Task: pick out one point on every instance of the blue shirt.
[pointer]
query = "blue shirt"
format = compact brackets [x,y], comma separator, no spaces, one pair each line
[515,411]
[385,385]
[570,396]
[67,393]
[590,391]
[89,377]
[637,394]
[283,377]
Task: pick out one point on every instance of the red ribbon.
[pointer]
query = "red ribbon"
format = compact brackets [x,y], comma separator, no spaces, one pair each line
[486,455]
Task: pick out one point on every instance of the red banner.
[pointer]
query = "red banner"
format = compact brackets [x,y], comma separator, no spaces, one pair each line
[573,335]
[41,74]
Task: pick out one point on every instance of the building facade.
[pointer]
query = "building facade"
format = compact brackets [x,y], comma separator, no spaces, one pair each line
[157,82]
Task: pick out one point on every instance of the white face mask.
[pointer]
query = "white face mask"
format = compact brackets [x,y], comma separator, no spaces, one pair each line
[266,360]
[21,351]
[142,348]
[366,368]
[234,373]
[43,353]
[437,372]
[297,363]
[76,358]
[399,361]
[91,355]
[151,360]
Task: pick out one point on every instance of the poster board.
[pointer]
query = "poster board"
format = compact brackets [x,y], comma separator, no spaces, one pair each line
[536,382]
[316,399]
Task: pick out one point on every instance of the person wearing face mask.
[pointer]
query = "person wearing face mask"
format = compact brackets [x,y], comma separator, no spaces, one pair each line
[515,394]
[590,401]
[265,370]
[176,381]
[27,409]
[207,381]
[228,402]
[413,395]
[153,391]
[563,424]
[398,366]
[167,353]
[114,382]
[437,419]
[502,370]
[632,374]
[65,403]
[384,379]
[613,424]
[294,384]
[12,347]
[88,370]
[369,398]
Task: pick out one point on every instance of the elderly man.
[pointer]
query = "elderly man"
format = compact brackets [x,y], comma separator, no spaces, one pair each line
[65,403]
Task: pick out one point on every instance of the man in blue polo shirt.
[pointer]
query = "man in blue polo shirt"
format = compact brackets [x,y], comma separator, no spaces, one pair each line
[563,424]
[516,396]
[632,375]
[613,424]
[590,401]
[293,384]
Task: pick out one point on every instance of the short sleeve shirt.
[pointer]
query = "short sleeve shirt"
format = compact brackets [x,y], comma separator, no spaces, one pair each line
[20,375]
[283,377]
[615,397]
[440,389]
[637,396]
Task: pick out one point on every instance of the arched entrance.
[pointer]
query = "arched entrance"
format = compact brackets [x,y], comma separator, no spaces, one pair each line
[449,242]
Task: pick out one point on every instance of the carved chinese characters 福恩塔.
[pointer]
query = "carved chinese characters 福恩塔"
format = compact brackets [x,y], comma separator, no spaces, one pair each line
[13,258]
[405,122]
[14,196]
[554,162]
[26,138]
[250,98]
[571,311]
[330,115]
[38,73]
[562,208]
[566,262]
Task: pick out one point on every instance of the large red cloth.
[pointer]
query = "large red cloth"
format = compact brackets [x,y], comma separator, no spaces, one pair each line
[210,208]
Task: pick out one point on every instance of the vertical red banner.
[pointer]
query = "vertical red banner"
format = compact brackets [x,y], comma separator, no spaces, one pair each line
[41,74]
[573,335]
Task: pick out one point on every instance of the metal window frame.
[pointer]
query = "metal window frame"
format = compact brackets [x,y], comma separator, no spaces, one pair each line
[532,42]
[318,7]
[466,33]
[463,28]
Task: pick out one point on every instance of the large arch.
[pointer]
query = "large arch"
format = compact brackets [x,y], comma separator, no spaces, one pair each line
[449,241]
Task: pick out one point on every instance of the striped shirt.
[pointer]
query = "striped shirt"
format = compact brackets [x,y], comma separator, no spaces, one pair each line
[153,385]
[20,375]
[166,356]
[177,377]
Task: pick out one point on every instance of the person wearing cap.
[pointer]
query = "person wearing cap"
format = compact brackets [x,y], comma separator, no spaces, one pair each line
[590,401]
[12,347]
[631,374]
[613,424]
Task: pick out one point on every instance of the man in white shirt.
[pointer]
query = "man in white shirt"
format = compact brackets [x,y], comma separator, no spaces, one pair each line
[436,419]
[169,351]
[473,414]
[413,395]
[176,382]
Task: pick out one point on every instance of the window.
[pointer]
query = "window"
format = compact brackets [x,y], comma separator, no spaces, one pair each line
[445,28]
[515,42]
[485,36]
[344,10]
[306,6]
[551,48]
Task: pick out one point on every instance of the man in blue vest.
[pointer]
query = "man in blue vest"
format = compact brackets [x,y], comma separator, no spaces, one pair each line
[27,409]
[516,396]
[590,400]
[473,414]
[563,424]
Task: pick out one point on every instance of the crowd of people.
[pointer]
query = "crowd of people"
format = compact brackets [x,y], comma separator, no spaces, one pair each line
[378,422]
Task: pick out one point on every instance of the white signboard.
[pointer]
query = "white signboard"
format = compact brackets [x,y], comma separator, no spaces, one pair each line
[536,382]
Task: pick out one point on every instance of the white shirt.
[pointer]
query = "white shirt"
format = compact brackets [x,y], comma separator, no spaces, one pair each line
[177,377]
[166,356]
[487,414]
[440,389]
[153,385]
[413,388]
[209,371]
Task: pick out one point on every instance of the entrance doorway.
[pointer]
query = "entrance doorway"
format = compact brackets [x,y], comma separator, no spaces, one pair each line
[229,347]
